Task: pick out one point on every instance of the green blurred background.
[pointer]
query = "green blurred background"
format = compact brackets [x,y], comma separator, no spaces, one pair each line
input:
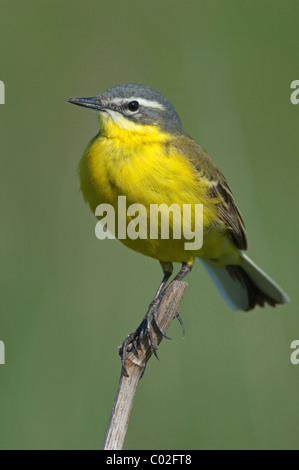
[68,299]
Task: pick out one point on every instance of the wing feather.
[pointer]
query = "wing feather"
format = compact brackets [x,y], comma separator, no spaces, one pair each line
[206,168]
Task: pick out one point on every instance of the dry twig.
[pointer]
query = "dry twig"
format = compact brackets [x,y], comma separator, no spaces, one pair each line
[135,366]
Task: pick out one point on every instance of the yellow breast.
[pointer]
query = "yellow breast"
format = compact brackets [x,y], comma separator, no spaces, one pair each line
[141,164]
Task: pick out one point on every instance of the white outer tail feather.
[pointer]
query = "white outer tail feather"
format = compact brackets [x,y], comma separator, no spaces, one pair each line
[235,293]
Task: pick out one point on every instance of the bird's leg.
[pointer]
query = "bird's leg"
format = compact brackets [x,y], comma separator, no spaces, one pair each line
[153,308]
[167,270]
[184,271]
[145,326]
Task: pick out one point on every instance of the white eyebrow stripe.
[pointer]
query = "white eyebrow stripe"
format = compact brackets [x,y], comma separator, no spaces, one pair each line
[142,101]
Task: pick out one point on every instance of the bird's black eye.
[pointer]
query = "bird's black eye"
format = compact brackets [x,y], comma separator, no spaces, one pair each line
[133,106]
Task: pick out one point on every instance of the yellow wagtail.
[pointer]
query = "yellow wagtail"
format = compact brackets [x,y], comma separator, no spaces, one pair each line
[142,152]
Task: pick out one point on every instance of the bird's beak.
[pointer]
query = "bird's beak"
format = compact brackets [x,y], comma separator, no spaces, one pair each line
[92,103]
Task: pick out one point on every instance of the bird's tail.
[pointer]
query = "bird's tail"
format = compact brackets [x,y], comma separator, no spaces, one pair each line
[245,286]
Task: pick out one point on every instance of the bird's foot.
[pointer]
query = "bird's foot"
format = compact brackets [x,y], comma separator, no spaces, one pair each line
[146,330]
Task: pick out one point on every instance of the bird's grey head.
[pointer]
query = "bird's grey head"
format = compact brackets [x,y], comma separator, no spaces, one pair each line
[139,104]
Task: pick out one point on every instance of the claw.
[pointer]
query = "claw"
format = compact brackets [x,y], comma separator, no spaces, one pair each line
[181,323]
[152,315]
[124,349]
[153,344]
[135,347]
[160,328]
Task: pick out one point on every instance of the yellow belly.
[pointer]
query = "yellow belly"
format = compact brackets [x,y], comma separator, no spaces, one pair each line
[146,173]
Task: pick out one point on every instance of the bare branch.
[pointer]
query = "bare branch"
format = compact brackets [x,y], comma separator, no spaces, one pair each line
[135,366]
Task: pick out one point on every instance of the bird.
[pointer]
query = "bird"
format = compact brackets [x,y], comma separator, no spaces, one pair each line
[142,152]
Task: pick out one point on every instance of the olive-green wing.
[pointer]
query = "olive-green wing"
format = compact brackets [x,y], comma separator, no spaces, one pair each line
[206,168]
